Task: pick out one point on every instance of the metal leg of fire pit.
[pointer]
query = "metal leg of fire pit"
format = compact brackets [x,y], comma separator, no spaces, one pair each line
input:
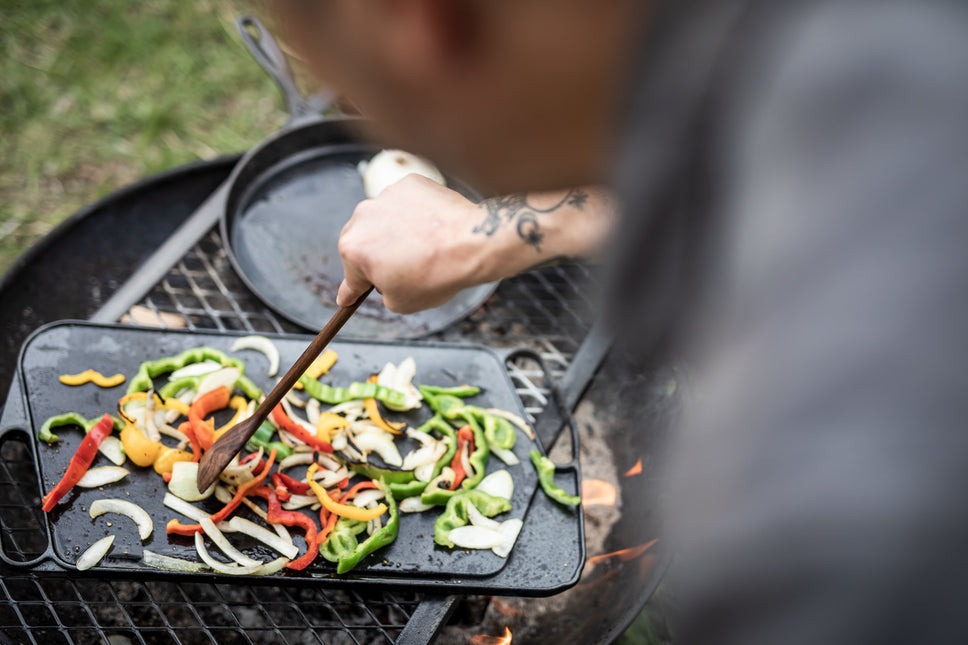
[427,620]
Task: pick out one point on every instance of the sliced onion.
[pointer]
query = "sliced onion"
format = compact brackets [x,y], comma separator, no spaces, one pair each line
[329,478]
[151,427]
[312,412]
[298,459]
[123,507]
[265,536]
[328,462]
[184,482]
[258,511]
[195,369]
[509,529]
[513,418]
[168,431]
[413,505]
[499,484]
[220,540]
[446,477]
[374,525]
[102,475]
[477,519]
[465,460]
[507,456]
[168,563]
[338,439]
[112,449]
[271,567]
[380,443]
[390,166]
[292,398]
[226,376]
[259,344]
[346,408]
[365,497]
[94,553]
[424,473]
[475,537]
[299,501]
[181,506]
[186,396]
[230,569]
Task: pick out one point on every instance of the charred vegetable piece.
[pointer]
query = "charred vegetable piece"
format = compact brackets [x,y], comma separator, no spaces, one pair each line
[546,477]
[80,462]
[402,490]
[336,395]
[456,513]
[151,369]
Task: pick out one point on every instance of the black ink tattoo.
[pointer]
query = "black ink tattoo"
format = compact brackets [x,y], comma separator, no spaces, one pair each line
[515,209]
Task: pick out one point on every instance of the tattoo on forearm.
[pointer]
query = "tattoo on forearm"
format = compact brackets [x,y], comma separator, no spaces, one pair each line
[514,210]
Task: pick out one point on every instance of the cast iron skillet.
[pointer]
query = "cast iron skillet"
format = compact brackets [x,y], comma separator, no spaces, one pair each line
[288,202]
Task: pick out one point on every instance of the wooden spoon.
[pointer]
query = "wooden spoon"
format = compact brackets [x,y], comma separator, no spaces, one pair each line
[220,454]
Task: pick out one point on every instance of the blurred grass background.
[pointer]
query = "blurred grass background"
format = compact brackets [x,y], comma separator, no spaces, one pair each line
[95,94]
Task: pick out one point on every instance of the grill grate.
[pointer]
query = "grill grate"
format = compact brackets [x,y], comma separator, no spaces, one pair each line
[548,311]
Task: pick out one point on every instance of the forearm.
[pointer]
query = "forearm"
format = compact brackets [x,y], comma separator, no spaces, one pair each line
[516,233]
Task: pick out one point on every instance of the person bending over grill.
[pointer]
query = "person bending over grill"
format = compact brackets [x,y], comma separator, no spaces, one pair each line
[792,181]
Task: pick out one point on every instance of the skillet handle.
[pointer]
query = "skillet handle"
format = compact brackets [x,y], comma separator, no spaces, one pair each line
[266,51]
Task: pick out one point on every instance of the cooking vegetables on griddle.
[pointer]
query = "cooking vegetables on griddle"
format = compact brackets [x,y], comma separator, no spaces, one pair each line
[353,451]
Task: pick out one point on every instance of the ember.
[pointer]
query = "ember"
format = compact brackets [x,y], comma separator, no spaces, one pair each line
[595,492]
[636,469]
[492,640]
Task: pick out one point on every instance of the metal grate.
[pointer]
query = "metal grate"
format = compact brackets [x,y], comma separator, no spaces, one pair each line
[548,311]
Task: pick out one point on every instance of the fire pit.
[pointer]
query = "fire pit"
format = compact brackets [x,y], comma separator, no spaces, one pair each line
[548,311]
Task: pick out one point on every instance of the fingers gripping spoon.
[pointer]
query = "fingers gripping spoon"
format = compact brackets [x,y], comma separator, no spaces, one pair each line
[228,445]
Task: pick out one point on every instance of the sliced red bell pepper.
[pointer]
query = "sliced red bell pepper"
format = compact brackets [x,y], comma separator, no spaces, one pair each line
[351,493]
[283,421]
[80,462]
[186,429]
[291,484]
[174,526]
[258,467]
[465,437]
[276,515]
[203,406]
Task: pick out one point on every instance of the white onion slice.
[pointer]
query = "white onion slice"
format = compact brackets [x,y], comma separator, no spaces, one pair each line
[186,396]
[226,376]
[424,473]
[290,399]
[312,413]
[94,553]
[230,569]
[413,505]
[499,484]
[400,378]
[365,497]
[513,418]
[184,482]
[261,514]
[298,459]
[271,567]
[181,506]
[123,507]
[329,478]
[328,462]
[168,431]
[195,369]
[477,519]
[112,449]
[151,426]
[507,456]
[223,494]
[259,344]
[168,563]
[465,461]
[509,529]
[338,439]
[265,536]
[446,476]
[382,444]
[355,407]
[475,537]
[296,502]
[102,475]
[220,540]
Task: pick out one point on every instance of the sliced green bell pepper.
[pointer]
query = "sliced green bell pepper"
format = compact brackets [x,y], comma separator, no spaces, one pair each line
[347,551]
[546,477]
[142,380]
[498,431]
[455,514]
[71,419]
[263,439]
[462,391]
[335,395]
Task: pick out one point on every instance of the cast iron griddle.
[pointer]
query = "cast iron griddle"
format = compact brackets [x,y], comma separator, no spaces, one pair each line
[283,229]
[413,559]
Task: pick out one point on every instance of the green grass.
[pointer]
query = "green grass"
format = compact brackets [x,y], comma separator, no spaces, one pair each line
[97,93]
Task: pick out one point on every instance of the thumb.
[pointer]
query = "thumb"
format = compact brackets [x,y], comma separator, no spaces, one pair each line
[352,287]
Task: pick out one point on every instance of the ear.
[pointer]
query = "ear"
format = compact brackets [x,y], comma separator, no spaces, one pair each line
[431,38]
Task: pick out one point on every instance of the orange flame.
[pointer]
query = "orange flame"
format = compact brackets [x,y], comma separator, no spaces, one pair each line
[592,575]
[595,492]
[636,469]
[483,639]
[622,556]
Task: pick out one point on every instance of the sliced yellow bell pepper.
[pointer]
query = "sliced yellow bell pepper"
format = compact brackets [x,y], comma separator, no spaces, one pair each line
[323,363]
[168,456]
[92,376]
[329,422]
[373,410]
[343,510]
[139,448]
[240,405]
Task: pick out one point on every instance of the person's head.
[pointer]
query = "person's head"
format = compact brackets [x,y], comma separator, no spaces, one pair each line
[509,94]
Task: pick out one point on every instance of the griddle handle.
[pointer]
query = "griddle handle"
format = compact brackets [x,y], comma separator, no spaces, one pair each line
[266,51]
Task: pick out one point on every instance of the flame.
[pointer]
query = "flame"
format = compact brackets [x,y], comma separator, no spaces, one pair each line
[595,492]
[622,556]
[483,639]
[636,469]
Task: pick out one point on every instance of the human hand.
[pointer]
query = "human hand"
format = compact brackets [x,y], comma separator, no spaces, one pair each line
[413,242]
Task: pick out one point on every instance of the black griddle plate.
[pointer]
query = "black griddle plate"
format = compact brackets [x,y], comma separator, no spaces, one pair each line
[546,559]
